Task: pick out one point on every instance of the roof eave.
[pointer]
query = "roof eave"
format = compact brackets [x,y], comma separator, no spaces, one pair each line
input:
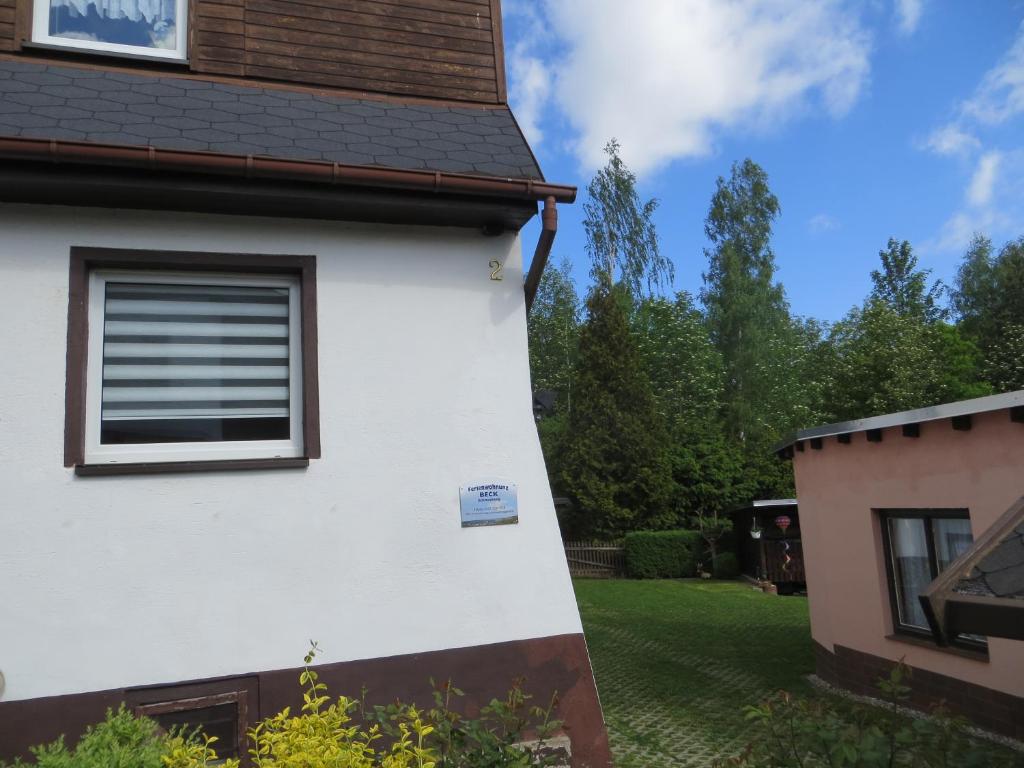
[916,416]
[278,169]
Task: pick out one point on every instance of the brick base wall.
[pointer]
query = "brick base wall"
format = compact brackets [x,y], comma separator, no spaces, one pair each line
[859,672]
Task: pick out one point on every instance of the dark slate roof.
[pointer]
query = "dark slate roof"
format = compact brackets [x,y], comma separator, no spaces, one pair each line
[1001,572]
[167,112]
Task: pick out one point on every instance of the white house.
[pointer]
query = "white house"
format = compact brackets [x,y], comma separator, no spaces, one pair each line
[264,322]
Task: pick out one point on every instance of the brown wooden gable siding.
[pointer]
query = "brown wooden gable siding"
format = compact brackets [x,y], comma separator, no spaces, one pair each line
[447,49]
[8,10]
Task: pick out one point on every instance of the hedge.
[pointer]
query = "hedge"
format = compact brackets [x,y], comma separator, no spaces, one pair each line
[726,566]
[661,554]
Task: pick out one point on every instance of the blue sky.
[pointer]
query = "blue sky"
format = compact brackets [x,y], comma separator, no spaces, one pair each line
[878,119]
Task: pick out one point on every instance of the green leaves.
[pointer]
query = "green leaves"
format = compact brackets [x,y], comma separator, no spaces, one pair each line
[614,459]
[621,237]
[827,731]
[988,297]
[883,361]
[904,288]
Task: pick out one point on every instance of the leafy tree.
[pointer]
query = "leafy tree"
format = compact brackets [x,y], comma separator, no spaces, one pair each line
[988,298]
[768,357]
[553,329]
[686,375]
[620,230]
[972,296]
[1004,361]
[902,286]
[885,362]
[614,461]
[745,307]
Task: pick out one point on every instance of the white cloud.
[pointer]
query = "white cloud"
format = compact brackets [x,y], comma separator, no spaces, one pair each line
[908,15]
[1000,95]
[531,81]
[993,203]
[979,191]
[665,76]
[992,197]
[529,76]
[950,139]
[822,222]
[958,230]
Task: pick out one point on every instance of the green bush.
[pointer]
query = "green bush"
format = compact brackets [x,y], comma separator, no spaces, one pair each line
[661,554]
[726,566]
[825,732]
[338,733]
[120,741]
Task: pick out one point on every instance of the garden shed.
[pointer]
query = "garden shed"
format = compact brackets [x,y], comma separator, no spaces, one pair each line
[768,543]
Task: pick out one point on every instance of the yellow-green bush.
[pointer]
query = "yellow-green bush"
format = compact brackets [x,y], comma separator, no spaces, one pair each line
[326,733]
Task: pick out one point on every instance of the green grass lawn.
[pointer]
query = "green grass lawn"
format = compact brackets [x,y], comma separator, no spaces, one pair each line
[676,661]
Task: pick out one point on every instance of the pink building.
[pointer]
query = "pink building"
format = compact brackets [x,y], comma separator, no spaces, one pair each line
[889,503]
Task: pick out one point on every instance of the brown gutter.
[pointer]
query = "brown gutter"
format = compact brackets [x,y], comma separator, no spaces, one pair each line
[549,226]
[251,167]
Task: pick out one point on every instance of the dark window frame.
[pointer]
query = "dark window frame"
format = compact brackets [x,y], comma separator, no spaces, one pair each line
[238,698]
[84,260]
[899,628]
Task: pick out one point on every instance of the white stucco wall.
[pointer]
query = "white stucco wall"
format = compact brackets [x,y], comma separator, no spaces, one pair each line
[424,385]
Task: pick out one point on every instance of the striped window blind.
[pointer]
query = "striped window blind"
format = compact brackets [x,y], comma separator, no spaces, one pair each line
[186,363]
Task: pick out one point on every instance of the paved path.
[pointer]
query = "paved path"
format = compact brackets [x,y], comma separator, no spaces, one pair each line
[673,695]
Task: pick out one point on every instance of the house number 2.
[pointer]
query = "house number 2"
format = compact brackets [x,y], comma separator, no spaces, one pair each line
[496,267]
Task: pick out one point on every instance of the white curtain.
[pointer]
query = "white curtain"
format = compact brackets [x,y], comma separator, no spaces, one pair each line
[913,570]
[150,10]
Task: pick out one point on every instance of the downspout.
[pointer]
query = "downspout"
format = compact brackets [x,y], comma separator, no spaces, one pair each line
[549,226]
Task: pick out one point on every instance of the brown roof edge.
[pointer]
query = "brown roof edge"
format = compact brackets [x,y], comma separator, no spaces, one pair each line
[251,167]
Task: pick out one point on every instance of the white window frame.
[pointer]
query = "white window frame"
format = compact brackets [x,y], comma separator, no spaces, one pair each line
[97,453]
[41,34]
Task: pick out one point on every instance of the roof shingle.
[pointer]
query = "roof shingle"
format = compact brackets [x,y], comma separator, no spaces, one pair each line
[47,101]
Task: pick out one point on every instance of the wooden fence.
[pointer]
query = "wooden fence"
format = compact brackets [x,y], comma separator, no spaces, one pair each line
[595,559]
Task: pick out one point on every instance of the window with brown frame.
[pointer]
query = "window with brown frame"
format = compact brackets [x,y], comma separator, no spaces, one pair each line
[222,716]
[190,361]
[919,544]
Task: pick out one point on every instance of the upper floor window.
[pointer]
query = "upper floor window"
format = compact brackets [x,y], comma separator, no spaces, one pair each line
[140,27]
[919,545]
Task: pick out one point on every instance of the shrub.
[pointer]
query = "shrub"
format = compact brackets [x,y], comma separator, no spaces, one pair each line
[120,741]
[333,734]
[823,731]
[726,566]
[661,554]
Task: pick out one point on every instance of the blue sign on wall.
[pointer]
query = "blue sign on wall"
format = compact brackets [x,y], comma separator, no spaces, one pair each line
[490,502]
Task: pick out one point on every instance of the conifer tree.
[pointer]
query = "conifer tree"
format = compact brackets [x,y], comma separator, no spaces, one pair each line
[614,457]
[614,462]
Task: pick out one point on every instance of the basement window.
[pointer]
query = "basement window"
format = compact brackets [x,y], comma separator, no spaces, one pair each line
[221,716]
[150,28]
